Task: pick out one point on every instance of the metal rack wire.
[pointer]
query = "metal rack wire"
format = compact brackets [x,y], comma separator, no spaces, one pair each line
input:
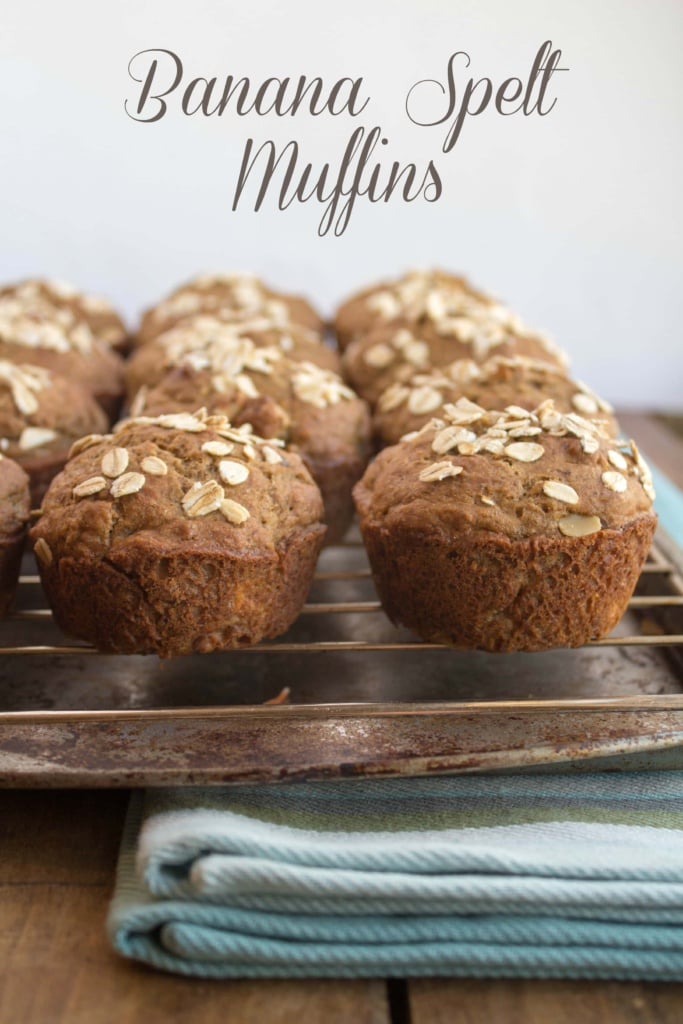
[659,567]
[74,717]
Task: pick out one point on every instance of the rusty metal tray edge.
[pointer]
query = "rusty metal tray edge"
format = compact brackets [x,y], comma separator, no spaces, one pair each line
[255,743]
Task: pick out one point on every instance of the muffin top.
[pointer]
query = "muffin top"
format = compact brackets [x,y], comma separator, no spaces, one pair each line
[33,326]
[176,482]
[495,384]
[206,341]
[68,349]
[307,407]
[423,299]
[512,472]
[15,503]
[395,352]
[41,411]
[228,297]
[61,303]
[416,296]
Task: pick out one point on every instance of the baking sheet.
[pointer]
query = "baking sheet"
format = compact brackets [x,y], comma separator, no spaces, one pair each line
[364,697]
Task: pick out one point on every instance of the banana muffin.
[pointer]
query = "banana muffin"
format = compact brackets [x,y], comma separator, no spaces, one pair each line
[228,297]
[177,534]
[507,530]
[41,415]
[395,352]
[495,384]
[310,409]
[66,305]
[14,513]
[68,349]
[206,339]
[418,296]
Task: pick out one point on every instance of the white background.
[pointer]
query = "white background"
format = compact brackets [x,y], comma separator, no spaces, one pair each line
[575,218]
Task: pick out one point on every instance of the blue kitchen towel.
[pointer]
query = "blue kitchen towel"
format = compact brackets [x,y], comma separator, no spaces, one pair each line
[668,505]
[550,876]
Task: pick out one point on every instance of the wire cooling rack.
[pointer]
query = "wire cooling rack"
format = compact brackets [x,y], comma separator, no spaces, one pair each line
[659,568]
[366,697]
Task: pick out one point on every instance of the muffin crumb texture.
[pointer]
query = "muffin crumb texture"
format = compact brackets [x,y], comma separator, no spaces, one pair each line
[14,514]
[149,553]
[507,530]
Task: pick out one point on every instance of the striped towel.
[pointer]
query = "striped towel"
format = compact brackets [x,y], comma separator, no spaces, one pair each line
[552,876]
[482,876]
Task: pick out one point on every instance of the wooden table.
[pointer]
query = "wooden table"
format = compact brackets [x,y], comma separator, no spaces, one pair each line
[57,857]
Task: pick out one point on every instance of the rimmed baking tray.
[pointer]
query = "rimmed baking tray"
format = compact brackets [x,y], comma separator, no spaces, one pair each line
[364,697]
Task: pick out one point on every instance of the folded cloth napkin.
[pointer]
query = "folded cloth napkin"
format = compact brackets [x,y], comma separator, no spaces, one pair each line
[482,876]
[668,505]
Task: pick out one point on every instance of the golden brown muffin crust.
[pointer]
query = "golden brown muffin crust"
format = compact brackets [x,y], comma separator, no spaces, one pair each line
[309,408]
[41,415]
[495,384]
[211,342]
[71,351]
[397,351]
[208,536]
[415,297]
[318,412]
[512,472]
[507,530]
[14,514]
[62,303]
[231,298]
[14,503]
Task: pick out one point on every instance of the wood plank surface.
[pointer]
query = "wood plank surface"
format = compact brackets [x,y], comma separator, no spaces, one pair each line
[544,1002]
[56,875]
[58,854]
[658,442]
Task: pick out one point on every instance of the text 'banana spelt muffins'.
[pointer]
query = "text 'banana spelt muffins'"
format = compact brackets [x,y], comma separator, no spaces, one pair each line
[41,415]
[14,514]
[231,298]
[495,384]
[178,534]
[507,530]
